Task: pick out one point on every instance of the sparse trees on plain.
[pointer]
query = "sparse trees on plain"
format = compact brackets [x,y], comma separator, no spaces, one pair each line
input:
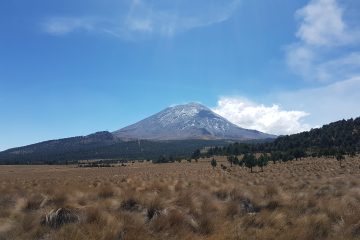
[275,156]
[236,160]
[263,161]
[241,163]
[340,158]
[230,160]
[196,155]
[233,160]
[250,161]
[213,163]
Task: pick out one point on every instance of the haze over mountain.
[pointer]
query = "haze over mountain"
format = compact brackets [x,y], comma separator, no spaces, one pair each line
[188,121]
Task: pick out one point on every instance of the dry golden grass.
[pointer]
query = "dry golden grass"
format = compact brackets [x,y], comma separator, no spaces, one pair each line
[307,199]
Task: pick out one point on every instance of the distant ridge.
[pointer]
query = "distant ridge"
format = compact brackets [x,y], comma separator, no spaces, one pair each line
[177,131]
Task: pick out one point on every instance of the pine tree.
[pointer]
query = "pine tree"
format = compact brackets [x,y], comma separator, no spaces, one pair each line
[236,160]
[196,154]
[263,161]
[340,157]
[241,162]
[275,156]
[250,161]
[299,153]
[213,163]
[230,160]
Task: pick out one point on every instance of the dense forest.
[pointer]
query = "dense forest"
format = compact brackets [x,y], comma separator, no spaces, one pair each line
[337,138]
[101,145]
[334,139]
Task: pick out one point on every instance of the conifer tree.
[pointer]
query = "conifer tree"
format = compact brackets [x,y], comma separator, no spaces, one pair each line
[213,163]
[263,161]
[250,161]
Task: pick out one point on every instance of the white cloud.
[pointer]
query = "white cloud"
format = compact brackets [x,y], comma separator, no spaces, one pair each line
[322,24]
[147,18]
[314,108]
[324,37]
[269,119]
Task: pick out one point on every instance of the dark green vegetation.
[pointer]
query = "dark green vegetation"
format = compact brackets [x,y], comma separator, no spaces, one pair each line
[248,160]
[213,163]
[102,145]
[332,140]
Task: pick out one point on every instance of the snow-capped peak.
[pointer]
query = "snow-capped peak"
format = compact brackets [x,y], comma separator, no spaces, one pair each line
[188,121]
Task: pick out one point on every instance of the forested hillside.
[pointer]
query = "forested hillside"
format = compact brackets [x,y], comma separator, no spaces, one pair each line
[101,146]
[341,137]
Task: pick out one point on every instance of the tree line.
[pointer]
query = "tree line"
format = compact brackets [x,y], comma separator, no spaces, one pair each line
[71,150]
[248,160]
[334,140]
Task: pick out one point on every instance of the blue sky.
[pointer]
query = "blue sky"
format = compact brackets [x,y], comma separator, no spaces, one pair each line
[71,68]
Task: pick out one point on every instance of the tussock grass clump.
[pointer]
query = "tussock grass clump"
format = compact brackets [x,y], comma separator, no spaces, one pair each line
[184,199]
[133,227]
[57,198]
[206,216]
[221,194]
[231,209]
[94,216]
[34,202]
[206,224]
[273,204]
[170,221]
[130,204]
[271,191]
[307,199]
[59,217]
[252,221]
[247,206]
[106,191]
[154,209]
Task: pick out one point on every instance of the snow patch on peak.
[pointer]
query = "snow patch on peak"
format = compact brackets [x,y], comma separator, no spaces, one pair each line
[188,121]
[181,113]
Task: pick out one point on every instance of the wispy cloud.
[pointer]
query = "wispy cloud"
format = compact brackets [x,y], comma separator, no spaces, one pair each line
[325,104]
[144,18]
[168,21]
[65,25]
[321,52]
[270,119]
[322,23]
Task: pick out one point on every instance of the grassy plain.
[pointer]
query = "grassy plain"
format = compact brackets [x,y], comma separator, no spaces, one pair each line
[306,199]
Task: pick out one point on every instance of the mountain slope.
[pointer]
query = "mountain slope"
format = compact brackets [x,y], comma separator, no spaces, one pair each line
[53,150]
[344,134]
[178,131]
[189,121]
[337,137]
[81,148]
